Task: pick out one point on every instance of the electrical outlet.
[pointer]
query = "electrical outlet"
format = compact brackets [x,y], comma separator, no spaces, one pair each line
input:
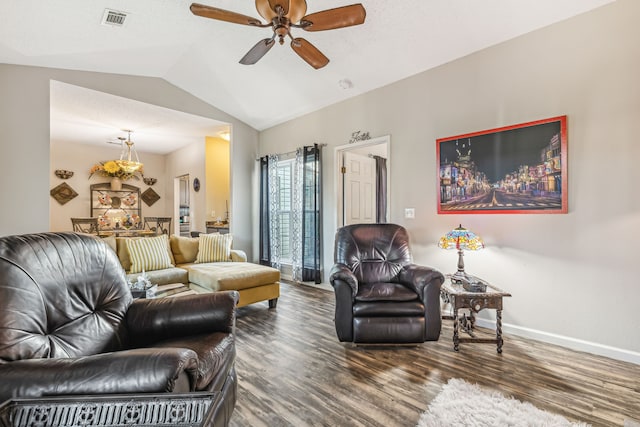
[409,213]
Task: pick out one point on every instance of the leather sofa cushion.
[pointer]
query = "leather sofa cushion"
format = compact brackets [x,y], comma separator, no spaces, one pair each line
[388,330]
[388,308]
[384,292]
[62,295]
[223,276]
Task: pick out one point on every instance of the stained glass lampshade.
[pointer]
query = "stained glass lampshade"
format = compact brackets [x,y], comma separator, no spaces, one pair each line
[461,239]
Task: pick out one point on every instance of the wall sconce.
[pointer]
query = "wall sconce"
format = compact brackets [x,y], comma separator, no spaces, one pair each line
[63,174]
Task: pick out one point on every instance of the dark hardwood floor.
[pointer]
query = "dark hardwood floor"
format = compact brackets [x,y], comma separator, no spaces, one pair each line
[292,371]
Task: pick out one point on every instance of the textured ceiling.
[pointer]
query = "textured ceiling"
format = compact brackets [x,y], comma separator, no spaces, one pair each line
[161,38]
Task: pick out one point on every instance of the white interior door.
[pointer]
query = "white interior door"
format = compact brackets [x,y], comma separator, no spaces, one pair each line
[359,189]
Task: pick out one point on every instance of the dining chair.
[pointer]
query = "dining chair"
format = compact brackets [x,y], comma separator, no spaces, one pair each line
[85,225]
[158,224]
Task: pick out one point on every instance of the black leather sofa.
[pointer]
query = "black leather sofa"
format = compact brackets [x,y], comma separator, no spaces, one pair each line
[69,326]
[381,296]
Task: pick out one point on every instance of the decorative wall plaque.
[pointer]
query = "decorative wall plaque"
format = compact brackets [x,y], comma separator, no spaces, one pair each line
[149,196]
[359,136]
[63,193]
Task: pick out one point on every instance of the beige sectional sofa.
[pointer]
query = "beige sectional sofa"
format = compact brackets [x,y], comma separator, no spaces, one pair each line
[253,282]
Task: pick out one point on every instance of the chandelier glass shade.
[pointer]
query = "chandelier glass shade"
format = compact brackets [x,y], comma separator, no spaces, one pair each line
[129,161]
[461,239]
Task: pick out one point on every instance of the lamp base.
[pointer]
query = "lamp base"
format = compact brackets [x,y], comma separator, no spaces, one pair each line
[468,282]
[459,277]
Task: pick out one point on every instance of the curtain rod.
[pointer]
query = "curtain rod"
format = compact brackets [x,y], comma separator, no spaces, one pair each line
[292,152]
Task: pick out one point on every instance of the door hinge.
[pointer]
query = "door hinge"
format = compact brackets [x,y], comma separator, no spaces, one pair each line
[343,170]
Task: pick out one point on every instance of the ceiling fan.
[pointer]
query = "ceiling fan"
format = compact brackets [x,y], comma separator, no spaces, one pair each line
[282,15]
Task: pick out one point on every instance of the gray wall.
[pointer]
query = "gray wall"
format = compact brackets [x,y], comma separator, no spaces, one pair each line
[24,142]
[571,275]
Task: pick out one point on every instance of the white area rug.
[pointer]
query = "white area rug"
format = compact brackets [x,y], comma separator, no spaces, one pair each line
[463,404]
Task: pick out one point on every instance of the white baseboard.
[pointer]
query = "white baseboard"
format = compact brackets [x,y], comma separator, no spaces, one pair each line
[572,343]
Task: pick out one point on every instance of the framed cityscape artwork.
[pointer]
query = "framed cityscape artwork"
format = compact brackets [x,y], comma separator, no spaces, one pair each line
[513,169]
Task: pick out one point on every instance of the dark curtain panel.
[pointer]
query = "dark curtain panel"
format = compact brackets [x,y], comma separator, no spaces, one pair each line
[265,252]
[381,189]
[312,214]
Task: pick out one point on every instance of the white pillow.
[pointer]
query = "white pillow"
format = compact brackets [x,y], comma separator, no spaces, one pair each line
[214,247]
[149,253]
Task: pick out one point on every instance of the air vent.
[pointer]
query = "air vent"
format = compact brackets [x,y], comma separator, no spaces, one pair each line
[114,18]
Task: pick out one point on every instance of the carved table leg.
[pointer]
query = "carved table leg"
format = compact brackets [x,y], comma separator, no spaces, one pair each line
[456,338]
[499,330]
[472,318]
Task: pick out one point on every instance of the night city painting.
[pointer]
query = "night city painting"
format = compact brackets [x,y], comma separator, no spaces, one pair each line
[513,169]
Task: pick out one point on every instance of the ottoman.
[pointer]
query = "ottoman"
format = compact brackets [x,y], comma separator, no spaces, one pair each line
[254,282]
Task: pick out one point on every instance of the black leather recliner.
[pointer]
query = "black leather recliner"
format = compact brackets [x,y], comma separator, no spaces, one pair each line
[69,326]
[381,296]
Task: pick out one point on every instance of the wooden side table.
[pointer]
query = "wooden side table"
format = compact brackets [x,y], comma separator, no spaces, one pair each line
[459,298]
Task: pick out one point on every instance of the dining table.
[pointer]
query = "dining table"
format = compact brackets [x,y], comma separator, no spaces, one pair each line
[123,232]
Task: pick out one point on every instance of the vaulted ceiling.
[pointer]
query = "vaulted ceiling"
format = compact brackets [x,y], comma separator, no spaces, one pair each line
[162,38]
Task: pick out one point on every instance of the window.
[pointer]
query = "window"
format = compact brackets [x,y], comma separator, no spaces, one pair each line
[290,213]
[285,186]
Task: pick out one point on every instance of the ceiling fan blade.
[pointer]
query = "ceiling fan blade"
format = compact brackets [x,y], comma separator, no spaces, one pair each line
[297,9]
[222,15]
[309,53]
[257,51]
[339,17]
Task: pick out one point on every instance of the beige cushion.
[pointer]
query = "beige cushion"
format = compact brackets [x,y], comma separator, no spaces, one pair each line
[238,255]
[149,253]
[111,241]
[214,248]
[185,249]
[123,252]
[221,276]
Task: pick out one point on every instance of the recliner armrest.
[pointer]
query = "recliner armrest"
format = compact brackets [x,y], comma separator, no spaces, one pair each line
[420,278]
[340,271]
[152,320]
[145,370]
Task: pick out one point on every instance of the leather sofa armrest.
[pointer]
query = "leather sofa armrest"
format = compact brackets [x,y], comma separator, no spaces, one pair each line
[238,255]
[340,271]
[422,279]
[145,370]
[152,320]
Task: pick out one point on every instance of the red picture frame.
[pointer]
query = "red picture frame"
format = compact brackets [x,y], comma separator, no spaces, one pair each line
[517,169]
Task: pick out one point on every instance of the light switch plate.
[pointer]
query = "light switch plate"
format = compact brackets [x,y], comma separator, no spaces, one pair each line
[409,213]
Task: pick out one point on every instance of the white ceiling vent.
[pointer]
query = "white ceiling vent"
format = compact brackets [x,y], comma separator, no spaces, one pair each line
[113,18]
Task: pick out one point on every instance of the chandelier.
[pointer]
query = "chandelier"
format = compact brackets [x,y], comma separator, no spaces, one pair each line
[129,161]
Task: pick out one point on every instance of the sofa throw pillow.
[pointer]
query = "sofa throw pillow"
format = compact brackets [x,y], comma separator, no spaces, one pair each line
[214,248]
[111,241]
[148,253]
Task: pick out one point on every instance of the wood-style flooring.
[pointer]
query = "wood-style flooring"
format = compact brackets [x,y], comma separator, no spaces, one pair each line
[292,371]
